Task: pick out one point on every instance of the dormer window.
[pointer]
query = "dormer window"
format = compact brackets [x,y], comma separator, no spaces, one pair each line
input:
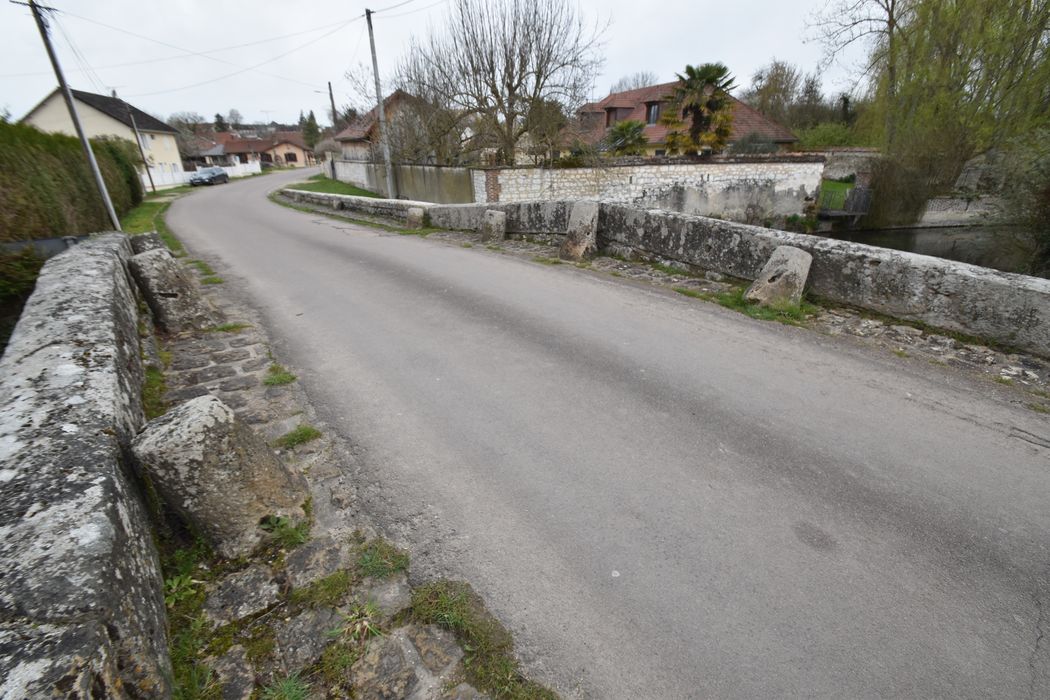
[652,112]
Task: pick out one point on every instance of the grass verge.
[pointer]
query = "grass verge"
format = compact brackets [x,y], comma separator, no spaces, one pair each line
[488,663]
[790,314]
[320,183]
[149,216]
[228,328]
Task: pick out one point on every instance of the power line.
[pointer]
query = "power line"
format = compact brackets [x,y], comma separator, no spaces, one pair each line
[186,53]
[78,56]
[418,9]
[252,67]
[392,7]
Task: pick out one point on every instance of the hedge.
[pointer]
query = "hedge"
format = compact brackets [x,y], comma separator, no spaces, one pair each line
[47,188]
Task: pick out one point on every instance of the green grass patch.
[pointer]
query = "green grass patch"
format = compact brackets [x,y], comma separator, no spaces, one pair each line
[1039,408]
[202,267]
[291,687]
[228,328]
[379,559]
[545,260]
[336,661]
[1040,393]
[791,314]
[685,291]
[212,280]
[329,591]
[494,247]
[325,185]
[153,388]
[466,245]
[143,218]
[1004,380]
[286,532]
[298,436]
[277,375]
[488,663]
[901,353]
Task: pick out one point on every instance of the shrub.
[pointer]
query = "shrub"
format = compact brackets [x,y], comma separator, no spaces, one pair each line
[47,187]
[827,135]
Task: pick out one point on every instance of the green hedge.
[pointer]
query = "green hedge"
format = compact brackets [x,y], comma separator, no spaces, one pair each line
[46,185]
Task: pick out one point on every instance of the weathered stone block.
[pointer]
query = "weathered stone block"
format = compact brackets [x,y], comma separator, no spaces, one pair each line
[176,303]
[581,236]
[218,474]
[783,278]
[146,242]
[302,639]
[493,226]
[81,597]
[415,217]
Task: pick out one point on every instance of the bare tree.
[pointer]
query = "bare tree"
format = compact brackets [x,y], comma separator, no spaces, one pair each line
[191,128]
[496,59]
[643,78]
[234,118]
[877,23]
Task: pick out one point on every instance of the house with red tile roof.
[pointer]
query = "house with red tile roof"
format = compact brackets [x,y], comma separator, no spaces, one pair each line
[277,148]
[647,104]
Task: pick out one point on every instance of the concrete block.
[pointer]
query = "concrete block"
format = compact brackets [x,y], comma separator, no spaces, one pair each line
[783,278]
[581,236]
[494,226]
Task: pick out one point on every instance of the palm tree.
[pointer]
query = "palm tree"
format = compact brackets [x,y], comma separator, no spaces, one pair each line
[702,97]
[626,138]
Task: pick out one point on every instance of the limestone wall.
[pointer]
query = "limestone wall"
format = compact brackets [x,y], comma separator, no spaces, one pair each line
[81,593]
[1007,308]
[743,191]
[444,185]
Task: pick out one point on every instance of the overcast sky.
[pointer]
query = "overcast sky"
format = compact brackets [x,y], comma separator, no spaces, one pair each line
[324,38]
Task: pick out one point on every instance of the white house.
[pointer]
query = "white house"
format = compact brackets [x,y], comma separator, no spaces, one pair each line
[110,116]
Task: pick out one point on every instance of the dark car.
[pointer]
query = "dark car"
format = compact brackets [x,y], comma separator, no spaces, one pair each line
[209,176]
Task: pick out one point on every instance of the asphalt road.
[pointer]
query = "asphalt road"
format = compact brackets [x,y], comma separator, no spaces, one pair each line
[661,498]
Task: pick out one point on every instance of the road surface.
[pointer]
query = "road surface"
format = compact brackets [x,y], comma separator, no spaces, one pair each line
[660,498]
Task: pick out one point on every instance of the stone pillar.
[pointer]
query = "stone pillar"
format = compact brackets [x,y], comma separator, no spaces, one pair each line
[782,278]
[416,217]
[492,186]
[581,236]
[493,226]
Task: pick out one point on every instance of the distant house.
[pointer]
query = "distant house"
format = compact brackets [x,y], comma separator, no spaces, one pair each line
[277,148]
[647,104]
[110,116]
[360,140]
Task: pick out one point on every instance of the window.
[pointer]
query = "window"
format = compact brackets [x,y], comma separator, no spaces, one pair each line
[610,117]
[290,157]
[660,152]
[652,112]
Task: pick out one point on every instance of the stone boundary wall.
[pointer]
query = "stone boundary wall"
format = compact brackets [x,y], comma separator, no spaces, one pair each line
[960,211]
[1008,308]
[741,190]
[81,598]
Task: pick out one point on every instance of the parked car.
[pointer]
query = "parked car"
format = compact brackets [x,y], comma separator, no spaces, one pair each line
[209,176]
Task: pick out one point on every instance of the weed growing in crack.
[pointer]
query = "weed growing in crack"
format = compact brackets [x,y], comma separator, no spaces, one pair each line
[379,559]
[290,687]
[1039,408]
[298,436]
[228,328]
[288,533]
[489,662]
[277,375]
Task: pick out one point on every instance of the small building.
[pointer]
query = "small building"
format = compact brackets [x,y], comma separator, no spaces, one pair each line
[360,140]
[279,148]
[111,116]
[647,104]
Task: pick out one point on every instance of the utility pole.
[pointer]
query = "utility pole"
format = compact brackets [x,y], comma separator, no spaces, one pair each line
[335,115]
[138,141]
[391,192]
[41,24]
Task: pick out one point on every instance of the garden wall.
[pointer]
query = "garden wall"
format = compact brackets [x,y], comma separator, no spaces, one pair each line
[742,190]
[81,597]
